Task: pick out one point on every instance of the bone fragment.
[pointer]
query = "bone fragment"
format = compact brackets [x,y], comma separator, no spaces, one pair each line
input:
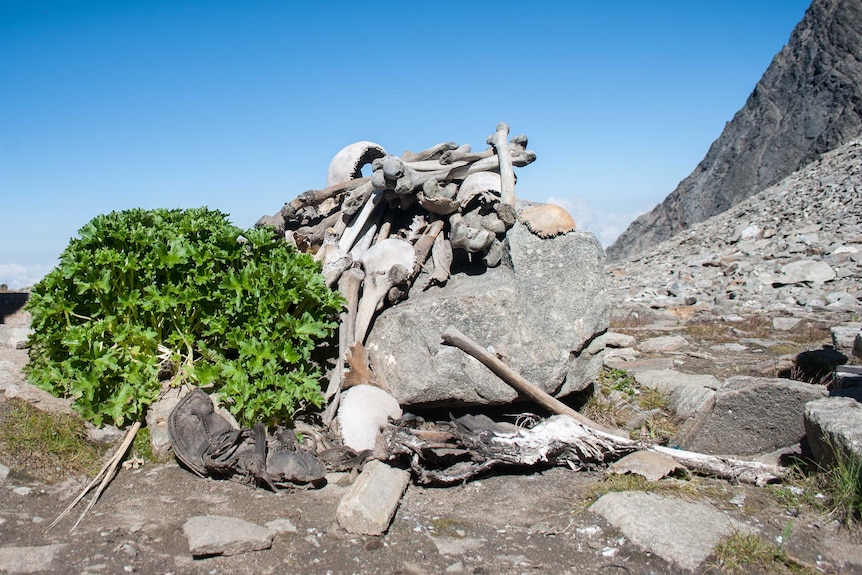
[314,197]
[358,224]
[348,162]
[480,183]
[358,197]
[430,153]
[441,256]
[349,285]
[463,154]
[381,264]
[424,245]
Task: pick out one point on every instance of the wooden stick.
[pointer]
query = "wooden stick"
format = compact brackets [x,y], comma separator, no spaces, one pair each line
[106,474]
[454,337]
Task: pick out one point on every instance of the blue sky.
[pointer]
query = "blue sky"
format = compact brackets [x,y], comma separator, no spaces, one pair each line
[240,106]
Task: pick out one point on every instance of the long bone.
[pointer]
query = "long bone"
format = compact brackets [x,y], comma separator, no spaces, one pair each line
[314,197]
[430,153]
[357,225]
[348,284]
[386,263]
[507,174]
[464,154]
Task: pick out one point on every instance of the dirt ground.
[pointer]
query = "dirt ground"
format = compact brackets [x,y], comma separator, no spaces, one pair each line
[523,521]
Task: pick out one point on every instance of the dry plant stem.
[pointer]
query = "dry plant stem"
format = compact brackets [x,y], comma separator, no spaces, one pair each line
[507,173]
[105,474]
[454,337]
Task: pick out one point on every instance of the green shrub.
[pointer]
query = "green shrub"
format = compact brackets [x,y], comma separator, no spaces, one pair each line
[142,289]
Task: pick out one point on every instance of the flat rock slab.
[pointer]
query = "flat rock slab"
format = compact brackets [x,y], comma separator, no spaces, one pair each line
[835,422]
[677,531]
[687,394]
[370,503]
[751,415]
[663,343]
[219,535]
[648,464]
[29,559]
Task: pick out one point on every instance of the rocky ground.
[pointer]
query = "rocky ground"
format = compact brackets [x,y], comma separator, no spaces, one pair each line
[739,295]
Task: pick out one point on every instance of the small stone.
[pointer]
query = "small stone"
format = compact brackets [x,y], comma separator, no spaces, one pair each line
[648,464]
[29,559]
[370,503]
[663,343]
[279,526]
[219,535]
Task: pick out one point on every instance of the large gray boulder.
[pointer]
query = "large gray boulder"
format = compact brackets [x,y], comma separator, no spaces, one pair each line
[834,423]
[542,311]
[751,415]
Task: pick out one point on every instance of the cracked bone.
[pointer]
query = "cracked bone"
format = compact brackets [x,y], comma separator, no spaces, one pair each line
[386,263]
[472,239]
[431,153]
[347,164]
[360,220]
[478,184]
[507,173]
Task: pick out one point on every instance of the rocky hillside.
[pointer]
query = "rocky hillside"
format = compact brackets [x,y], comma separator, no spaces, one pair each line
[793,249]
[808,102]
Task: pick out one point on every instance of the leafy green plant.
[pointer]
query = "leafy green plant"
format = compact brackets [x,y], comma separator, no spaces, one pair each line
[617,380]
[141,290]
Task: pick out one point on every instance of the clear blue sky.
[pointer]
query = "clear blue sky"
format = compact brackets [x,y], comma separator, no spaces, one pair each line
[239,106]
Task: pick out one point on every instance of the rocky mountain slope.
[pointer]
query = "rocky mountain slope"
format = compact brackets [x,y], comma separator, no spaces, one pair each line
[793,249]
[808,102]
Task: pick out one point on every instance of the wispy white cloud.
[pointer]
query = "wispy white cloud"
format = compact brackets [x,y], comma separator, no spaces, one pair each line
[17,276]
[605,225]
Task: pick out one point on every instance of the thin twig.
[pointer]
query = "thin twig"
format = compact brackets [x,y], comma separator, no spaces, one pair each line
[105,474]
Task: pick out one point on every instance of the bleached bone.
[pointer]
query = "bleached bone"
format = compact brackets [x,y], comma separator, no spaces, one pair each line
[472,239]
[424,245]
[463,154]
[335,262]
[547,220]
[314,197]
[358,224]
[477,184]
[519,156]
[430,153]
[441,256]
[357,197]
[507,174]
[385,228]
[349,285]
[381,264]
[348,162]
[364,242]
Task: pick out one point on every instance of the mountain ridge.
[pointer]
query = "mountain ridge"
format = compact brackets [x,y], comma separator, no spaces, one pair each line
[809,101]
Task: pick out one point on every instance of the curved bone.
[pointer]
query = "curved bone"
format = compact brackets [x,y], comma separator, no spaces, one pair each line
[381,263]
[476,184]
[348,162]
[547,220]
[438,205]
[430,153]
